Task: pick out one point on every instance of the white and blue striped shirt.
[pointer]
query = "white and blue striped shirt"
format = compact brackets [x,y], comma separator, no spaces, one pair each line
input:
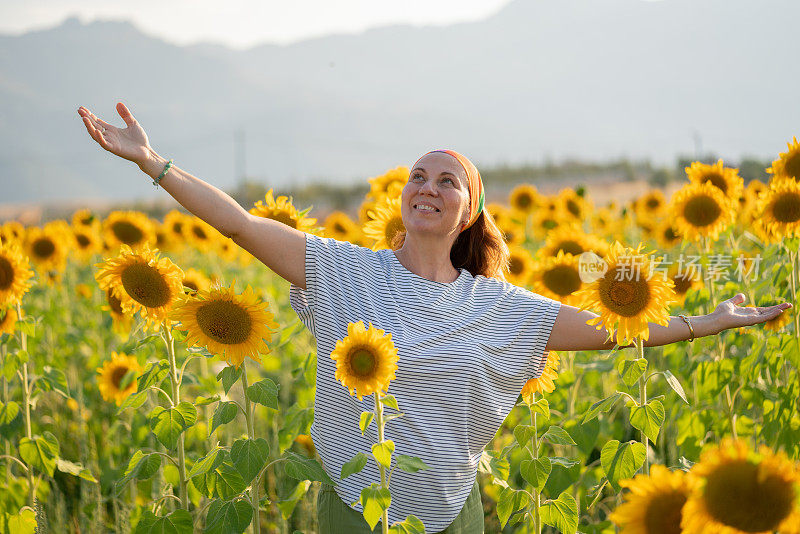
[465,350]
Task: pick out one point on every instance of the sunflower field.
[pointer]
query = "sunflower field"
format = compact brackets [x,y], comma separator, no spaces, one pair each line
[156,379]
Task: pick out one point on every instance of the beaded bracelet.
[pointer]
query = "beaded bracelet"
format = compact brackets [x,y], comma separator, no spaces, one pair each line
[686,320]
[163,173]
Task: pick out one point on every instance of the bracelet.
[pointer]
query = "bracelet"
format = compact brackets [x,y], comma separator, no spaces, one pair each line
[163,173]
[691,330]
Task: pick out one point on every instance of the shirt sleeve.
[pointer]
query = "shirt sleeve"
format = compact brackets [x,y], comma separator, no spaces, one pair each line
[332,270]
[539,317]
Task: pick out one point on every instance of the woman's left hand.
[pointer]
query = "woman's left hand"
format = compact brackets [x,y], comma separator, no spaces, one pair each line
[729,314]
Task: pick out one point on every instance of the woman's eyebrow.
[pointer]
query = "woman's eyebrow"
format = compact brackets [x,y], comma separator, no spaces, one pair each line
[440,174]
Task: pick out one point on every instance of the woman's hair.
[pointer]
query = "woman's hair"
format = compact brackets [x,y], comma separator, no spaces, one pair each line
[480,249]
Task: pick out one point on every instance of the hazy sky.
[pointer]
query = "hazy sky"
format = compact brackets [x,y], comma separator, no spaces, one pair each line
[244,23]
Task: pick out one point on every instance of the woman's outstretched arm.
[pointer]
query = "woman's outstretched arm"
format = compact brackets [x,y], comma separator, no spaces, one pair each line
[278,246]
[570,331]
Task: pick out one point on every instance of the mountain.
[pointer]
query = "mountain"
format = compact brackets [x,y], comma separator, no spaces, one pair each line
[539,79]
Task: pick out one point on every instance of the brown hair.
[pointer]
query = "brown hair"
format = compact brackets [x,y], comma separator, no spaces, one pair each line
[480,249]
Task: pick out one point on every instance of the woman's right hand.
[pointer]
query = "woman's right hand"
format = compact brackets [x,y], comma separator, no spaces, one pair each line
[129,143]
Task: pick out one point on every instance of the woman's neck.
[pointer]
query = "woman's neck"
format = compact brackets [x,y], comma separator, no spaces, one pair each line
[430,261]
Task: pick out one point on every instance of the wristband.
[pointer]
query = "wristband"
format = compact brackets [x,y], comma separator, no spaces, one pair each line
[691,330]
[163,173]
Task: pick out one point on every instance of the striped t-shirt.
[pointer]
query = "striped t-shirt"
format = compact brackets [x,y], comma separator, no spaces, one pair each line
[465,350]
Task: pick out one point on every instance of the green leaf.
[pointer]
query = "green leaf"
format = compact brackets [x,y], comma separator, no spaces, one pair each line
[676,386]
[621,460]
[168,423]
[208,462]
[140,467]
[10,419]
[356,464]
[410,464]
[178,522]
[536,471]
[509,502]
[631,370]
[411,525]
[264,392]
[249,456]
[600,406]
[558,436]
[40,452]
[53,380]
[65,466]
[227,481]
[366,419]
[134,400]
[11,365]
[228,517]
[224,413]
[523,434]
[562,513]
[566,463]
[375,499]
[288,504]
[302,468]
[153,374]
[228,376]
[648,418]
[541,407]
[22,523]
[204,401]
[390,401]
[383,452]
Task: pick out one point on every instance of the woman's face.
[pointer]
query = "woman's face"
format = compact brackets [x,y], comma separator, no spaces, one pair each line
[437,180]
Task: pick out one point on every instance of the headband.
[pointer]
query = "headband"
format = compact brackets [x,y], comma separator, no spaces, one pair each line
[476,196]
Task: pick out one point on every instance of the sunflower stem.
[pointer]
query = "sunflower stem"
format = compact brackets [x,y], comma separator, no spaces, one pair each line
[380,421]
[537,520]
[26,400]
[176,398]
[251,434]
[643,403]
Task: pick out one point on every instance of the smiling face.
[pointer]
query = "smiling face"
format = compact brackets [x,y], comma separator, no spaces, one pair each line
[436,198]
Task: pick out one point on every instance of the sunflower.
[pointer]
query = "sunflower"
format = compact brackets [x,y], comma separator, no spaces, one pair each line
[788,163]
[47,247]
[650,206]
[194,281]
[120,322]
[305,441]
[366,210]
[132,228]
[545,221]
[340,226]
[84,218]
[497,210]
[545,382]
[736,490]
[142,282]
[573,241]
[520,266]
[513,232]
[574,206]
[87,241]
[654,503]
[116,379]
[683,280]
[8,320]
[389,184]
[386,223]
[726,179]
[15,274]
[666,235]
[228,324]
[779,209]
[283,211]
[701,210]
[12,231]
[558,277]
[366,359]
[524,198]
[628,296]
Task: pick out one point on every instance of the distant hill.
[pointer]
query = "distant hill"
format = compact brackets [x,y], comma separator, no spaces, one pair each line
[539,79]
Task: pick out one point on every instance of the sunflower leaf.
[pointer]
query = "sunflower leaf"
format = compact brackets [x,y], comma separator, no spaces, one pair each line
[621,460]
[227,481]
[631,370]
[541,407]
[10,419]
[648,418]
[178,522]
[153,374]
[208,462]
[600,406]
[410,464]
[264,392]
[65,466]
[383,452]
[168,423]
[390,401]
[140,467]
[536,471]
[228,517]
[366,419]
[302,468]
[356,464]
[249,456]
[40,452]
[562,513]
[134,400]
[224,413]
[676,386]
[375,499]
[53,380]
[411,525]
[558,436]
[228,376]
[523,434]
[509,502]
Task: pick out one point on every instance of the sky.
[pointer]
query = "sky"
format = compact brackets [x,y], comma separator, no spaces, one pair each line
[241,24]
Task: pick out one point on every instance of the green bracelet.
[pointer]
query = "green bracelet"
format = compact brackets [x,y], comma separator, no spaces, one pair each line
[163,173]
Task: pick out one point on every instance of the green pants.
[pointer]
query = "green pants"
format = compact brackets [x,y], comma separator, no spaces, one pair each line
[336,517]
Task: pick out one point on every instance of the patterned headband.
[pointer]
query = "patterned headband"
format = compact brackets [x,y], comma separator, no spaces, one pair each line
[476,196]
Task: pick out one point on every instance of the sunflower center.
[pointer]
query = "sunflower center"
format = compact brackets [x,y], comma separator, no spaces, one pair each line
[701,210]
[199,232]
[43,247]
[573,208]
[146,285]
[570,247]
[652,203]
[562,280]
[516,266]
[669,234]
[337,227]
[191,286]
[393,227]
[127,232]
[624,297]
[739,496]
[177,227]
[786,208]
[82,240]
[6,273]
[117,375]
[793,166]
[523,201]
[664,513]
[362,362]
[717,180]
[682,283]
[225,321]
[284,217]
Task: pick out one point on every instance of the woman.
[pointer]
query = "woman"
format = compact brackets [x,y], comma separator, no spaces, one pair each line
[467,340]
